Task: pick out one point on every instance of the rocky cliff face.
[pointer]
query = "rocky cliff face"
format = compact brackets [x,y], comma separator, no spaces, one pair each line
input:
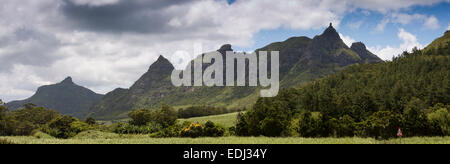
[365,55]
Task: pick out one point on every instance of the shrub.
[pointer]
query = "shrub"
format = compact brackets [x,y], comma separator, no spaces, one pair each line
[64,127]
[93,134]
[78,126]
[212,130]
[172,131]
[90,121]
[41,135]
[193,130]
[209,129]
[127,128]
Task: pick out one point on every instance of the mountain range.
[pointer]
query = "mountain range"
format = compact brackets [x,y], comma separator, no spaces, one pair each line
[302,59]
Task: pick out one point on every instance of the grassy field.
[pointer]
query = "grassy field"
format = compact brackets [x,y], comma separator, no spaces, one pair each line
[225,120]
[143,139]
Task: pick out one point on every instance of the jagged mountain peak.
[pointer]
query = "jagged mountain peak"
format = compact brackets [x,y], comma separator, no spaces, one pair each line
[162,59]
[67,80]
[358,46]
[330,33]
[329,40]
[365,55]
[154,77]
[161,63]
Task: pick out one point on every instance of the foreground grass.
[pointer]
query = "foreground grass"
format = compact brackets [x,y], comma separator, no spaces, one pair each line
[144,139]
[225,120]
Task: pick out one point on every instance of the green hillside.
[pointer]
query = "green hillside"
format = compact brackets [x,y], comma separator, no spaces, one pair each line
[411,92]
[441,42]
[65,97]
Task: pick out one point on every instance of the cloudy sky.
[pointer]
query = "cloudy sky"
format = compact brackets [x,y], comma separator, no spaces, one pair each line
[105,44]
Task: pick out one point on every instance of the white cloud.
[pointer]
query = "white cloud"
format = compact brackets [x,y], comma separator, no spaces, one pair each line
[103,61]
[382,25]
[404,18]
[432,23]
[355,25]
[448,27]
[409,41]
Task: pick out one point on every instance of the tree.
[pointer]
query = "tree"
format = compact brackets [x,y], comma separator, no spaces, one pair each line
[366,100]
[167,116]
[140,117]
[440,120]
[310,124]
[415,118]
[37,116]
[3,110]
[90,121]
[382,124]
[4,121]
[241,128]
[61,127]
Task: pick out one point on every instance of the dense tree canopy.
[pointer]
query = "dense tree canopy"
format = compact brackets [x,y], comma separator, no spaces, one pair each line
[366,100]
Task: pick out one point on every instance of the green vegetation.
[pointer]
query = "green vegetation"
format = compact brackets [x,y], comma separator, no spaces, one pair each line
[48,124]
[106,138]
[64,127]
[199,111]
[25,120]
[65,97]
[209,129]
[369,100]
[364,103]
[225,120]
[40,122]
[440,45]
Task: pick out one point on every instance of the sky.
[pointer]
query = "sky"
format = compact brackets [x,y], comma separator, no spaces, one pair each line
[106,44]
